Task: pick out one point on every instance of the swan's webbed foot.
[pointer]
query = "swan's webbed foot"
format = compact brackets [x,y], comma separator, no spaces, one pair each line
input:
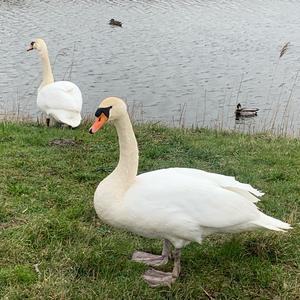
[154,277]
[149,259]
[157,278]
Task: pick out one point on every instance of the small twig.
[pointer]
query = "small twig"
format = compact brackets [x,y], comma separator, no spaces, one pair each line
[285,116]
[281,53]
[204,109]
[284,49]
[70,67]
[196,117]
[36,268]
[61,52]
[182,110]
[239,90]
[207,294]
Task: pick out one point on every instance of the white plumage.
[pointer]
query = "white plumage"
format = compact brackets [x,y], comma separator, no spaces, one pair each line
[62,100]
[178,205]
[184,205]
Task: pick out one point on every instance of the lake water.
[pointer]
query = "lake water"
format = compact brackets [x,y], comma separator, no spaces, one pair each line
[180,62]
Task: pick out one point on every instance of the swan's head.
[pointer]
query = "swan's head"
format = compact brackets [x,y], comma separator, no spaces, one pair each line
[110,109]
[39,45]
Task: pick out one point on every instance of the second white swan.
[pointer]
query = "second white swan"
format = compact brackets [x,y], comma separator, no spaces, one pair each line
[61,100]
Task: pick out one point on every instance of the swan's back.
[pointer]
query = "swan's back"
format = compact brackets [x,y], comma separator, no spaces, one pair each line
[62,100]
[228,182]
[193,194]
[190,203]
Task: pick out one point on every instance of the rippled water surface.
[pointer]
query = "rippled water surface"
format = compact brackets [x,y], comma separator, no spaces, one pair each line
[182,62]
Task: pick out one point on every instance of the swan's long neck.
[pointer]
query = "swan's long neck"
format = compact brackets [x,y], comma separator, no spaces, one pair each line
[47,71]
[127,167]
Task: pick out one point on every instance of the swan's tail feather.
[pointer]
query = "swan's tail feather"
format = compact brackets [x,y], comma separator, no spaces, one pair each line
[246,194]
[272,223]
[231,183]
[251,189]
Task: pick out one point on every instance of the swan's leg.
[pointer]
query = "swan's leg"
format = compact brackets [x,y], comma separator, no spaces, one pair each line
[151,259]
[158,278]
[167,247]
[48,121]
[63,125]
[177,266]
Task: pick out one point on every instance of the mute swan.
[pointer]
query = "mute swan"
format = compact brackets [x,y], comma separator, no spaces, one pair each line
[178,205]
[61,99]
[245,112]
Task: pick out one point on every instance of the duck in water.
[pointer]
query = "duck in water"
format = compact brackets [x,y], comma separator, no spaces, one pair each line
[115,22]
[245,112]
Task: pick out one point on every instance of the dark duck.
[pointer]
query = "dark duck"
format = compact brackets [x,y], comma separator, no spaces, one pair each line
[245,112]
[115,22]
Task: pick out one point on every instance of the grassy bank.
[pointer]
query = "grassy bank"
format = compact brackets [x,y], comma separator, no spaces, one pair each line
[53,246]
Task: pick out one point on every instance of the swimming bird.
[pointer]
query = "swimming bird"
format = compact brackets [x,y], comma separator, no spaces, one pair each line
[115,22]
[245,112]
[177,205]
[61,100]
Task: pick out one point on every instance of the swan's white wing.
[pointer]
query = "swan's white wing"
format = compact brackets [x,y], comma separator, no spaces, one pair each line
[224,181]
[173,204]
[60,95]
[62,100]
[173,196]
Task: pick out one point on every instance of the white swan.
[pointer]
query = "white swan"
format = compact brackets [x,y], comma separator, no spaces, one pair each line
[61,99]
[178,205]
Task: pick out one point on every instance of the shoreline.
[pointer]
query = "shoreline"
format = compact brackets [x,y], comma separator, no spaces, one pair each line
[41,121]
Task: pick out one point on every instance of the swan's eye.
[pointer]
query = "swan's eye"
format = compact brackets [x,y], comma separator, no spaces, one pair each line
[103,110]
[32,43]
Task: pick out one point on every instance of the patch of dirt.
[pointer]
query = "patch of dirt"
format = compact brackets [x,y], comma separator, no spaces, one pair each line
[12,223]
[65,142]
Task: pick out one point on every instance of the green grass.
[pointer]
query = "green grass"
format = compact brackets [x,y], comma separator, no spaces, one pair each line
[53,246]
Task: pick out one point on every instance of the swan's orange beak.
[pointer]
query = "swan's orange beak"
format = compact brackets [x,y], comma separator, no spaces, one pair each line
[98,124]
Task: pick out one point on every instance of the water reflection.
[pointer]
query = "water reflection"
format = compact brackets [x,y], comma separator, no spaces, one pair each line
[185,62]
